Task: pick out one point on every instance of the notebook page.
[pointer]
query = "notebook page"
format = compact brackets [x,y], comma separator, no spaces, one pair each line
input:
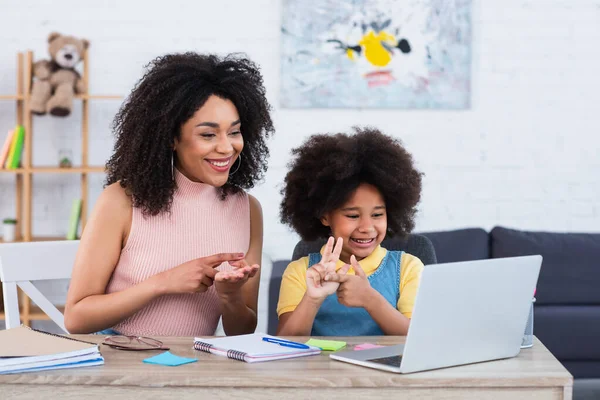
[253,345]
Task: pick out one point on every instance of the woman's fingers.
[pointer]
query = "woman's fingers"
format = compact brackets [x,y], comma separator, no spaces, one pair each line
[253,270]
[231,276]
[249,271]
[206,281]
[239,264]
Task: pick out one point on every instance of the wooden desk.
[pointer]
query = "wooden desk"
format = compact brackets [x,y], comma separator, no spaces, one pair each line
[534,374]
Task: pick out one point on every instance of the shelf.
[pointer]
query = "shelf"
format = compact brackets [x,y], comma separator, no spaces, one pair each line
[77,96]
[36,313]
[24,176]
[98,97]
[72,170]
[55,170]
[39,239]
[12,97]
[12,171]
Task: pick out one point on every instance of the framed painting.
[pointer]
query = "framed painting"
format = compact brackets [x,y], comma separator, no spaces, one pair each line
[411,54]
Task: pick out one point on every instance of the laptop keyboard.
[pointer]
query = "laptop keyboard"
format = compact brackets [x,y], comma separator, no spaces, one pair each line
[393,361]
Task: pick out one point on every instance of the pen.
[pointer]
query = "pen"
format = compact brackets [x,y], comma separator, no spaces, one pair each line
[286,343]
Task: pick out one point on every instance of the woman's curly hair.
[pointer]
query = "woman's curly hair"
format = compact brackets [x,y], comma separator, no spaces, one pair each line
[327,169]
[174,87]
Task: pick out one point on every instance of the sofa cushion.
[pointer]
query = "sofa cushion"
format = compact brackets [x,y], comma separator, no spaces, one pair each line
[274,285]
[570,271]
[570,332]
[586,389]
[460,245]
[585,370]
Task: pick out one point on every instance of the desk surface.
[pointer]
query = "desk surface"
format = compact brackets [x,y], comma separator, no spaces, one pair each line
[532,370]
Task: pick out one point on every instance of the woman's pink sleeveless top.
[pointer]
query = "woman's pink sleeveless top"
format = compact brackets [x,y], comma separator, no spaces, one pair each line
[199,224]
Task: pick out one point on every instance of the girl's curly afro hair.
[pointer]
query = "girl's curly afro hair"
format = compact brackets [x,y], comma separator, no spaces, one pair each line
[327,169]
[174,87]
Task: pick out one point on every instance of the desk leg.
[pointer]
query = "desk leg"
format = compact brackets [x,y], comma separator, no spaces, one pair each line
[568,393]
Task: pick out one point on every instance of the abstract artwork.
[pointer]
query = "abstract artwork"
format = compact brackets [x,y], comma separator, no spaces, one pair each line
[411,54]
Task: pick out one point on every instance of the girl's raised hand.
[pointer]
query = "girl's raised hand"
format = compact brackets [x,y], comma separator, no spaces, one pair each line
[317,287]
[354,290]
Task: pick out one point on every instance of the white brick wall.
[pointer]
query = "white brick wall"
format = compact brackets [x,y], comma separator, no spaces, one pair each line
[524,156]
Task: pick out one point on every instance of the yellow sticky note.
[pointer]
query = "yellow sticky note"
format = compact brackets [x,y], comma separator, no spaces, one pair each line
[327,345]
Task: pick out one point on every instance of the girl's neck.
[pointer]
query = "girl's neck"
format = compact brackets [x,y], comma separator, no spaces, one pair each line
[346,259]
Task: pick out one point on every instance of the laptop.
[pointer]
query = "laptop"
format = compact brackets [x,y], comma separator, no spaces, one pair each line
[464,312]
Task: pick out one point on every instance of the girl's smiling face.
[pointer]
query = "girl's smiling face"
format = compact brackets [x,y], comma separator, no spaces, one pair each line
[361,222]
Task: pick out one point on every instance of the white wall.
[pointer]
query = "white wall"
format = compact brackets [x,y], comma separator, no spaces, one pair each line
[525,154]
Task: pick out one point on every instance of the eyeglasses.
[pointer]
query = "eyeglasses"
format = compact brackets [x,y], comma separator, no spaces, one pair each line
[134,343]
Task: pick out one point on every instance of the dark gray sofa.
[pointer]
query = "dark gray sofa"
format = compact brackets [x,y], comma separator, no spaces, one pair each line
[567,310]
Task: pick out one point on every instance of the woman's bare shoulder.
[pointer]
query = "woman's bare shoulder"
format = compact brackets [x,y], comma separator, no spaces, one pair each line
[114,205]
[254,204]
[115,197]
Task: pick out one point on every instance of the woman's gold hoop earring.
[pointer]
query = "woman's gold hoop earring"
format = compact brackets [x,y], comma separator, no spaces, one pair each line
[239,164]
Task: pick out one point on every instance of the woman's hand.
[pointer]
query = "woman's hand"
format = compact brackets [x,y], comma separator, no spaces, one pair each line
[230,282]
[354,290]
[194,276]
[317,288]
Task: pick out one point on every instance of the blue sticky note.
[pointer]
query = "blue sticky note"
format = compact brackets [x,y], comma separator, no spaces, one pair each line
[169,359]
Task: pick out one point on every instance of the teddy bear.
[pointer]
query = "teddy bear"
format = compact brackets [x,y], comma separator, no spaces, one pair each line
[57,81]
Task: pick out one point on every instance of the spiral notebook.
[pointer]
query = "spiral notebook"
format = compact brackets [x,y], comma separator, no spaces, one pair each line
[24,349]
[251,348]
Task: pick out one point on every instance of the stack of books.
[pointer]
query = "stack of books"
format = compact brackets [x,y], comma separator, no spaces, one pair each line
[74,220]
[24,349]
[10,153]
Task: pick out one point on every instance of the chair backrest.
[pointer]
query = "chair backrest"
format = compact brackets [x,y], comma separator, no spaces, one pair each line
[417,245]
[21,263]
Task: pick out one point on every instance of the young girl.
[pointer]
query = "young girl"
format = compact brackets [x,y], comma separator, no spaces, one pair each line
[358,188]
[191,137]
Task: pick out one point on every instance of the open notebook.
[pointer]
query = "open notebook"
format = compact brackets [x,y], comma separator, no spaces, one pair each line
[23,349]
[251,348]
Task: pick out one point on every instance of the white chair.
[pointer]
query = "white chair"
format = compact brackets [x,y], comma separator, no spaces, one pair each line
[21,263]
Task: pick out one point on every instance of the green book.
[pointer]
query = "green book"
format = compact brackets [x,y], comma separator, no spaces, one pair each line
[17,149]
[74,220]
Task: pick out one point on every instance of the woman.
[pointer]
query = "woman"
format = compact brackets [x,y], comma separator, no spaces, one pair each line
[174,241]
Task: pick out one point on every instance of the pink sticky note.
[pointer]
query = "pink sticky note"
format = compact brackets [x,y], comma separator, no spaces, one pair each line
[365,346]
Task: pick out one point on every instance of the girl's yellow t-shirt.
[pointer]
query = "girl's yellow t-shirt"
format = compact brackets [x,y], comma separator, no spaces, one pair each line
[293,282]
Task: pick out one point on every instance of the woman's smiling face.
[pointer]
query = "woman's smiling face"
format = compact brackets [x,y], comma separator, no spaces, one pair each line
[210,143]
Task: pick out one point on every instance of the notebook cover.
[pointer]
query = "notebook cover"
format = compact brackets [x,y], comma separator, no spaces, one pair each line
[24,341]
[70,362]
[90,363]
